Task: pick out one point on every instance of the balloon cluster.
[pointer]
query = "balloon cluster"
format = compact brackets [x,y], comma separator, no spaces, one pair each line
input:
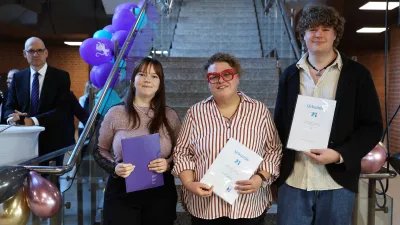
[99,51]
[17,199]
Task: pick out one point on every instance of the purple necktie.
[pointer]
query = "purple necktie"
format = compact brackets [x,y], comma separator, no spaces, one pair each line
[35,95]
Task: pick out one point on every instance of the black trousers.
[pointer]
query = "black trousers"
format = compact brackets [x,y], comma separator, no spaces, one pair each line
[155,206]
[227,221]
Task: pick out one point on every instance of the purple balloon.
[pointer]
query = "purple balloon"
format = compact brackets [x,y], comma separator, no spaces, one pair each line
[123,20]
[102,72]
[96,51]
[93,77]
[121,36]
[128,6]
[109,28]
[44,198]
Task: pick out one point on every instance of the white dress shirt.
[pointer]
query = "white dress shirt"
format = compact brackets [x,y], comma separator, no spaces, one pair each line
[42,74]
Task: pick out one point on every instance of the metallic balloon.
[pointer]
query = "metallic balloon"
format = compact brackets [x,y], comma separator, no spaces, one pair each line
[11,180]
[44,198]
[15,210]
[374,160]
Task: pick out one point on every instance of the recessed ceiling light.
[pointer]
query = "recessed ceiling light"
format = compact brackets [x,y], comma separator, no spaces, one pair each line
[73,43]
[371,30]
[379,6]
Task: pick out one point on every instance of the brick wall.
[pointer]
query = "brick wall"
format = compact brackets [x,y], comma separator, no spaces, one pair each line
[63,57]
[394,88]
[374,61]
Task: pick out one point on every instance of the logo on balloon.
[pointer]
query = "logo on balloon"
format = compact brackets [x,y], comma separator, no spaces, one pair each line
[102,50]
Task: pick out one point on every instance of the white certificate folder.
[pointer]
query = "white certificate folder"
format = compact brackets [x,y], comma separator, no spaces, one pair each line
[312,123]
[235,162]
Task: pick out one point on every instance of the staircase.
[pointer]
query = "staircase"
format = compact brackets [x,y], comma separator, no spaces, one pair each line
[207,26]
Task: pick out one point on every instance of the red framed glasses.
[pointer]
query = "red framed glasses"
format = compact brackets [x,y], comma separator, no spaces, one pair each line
[226,75]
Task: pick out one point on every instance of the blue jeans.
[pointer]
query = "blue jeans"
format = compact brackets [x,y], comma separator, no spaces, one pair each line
[301,207]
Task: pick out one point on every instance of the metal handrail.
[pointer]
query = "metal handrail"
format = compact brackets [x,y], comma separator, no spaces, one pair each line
[293,42]
[59,170]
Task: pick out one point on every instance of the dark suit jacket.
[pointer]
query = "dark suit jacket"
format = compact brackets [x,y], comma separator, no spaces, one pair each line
[3,118]
[80,113]
[357,124]
[53,108]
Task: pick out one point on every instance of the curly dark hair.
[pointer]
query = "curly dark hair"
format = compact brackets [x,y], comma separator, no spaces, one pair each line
[224,57]
[317,15]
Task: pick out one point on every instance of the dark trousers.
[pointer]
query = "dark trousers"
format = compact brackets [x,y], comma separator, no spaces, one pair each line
[227,221]
[155,206]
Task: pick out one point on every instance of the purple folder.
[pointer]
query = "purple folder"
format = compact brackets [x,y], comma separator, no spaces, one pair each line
[139,151]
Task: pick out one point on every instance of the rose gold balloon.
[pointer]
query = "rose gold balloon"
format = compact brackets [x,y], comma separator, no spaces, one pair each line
[44,198]
[374,160]
[15,210]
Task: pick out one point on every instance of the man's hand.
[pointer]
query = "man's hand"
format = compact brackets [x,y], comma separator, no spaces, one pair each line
[324,156]
[28,121]
[16,116]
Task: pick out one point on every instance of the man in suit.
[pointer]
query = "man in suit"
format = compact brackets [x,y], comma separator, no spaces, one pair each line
[4,97]
[38,96]
[318,187]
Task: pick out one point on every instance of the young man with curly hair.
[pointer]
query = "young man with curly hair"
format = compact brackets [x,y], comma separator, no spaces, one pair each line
[319,186]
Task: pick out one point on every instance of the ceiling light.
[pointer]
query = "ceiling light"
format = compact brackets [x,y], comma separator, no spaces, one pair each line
[379,6]
[371,30]
[73,43]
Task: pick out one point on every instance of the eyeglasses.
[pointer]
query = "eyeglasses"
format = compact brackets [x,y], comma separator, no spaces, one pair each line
[38,51]
[226,75]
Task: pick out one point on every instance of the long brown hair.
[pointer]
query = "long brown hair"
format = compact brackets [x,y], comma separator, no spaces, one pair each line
[157,104]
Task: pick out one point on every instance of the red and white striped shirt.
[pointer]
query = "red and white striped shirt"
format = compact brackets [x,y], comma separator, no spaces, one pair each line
[203,135]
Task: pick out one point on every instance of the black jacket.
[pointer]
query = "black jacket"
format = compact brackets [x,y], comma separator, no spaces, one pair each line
[357,123]
[53,107]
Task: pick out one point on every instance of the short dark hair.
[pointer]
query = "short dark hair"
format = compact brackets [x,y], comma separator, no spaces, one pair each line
[317,15]
[224,57]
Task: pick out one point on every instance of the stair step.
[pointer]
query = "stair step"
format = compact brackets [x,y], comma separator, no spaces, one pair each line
[243,4]
[215,9]
[226,14]
[219,26]
[234,31]
[227,46]
[196,62]
[216,39]
[223,21]
[237,53]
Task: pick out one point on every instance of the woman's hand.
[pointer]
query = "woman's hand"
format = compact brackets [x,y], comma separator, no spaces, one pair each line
[199,189]
[249,186]
[124,169]
[159,165]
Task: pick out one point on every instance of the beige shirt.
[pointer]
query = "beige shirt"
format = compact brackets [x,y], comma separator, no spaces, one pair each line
[308,175]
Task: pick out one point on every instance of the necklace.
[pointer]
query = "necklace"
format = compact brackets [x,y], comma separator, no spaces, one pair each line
[145,113]
[319,71]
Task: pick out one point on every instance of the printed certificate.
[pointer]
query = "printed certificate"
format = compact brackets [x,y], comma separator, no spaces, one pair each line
[235,162]
[312,123]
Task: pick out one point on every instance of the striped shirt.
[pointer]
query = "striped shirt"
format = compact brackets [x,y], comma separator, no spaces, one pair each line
[203,135]
[307,174]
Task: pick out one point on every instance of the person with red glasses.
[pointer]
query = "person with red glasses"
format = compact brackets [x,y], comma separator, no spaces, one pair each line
[208,125]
